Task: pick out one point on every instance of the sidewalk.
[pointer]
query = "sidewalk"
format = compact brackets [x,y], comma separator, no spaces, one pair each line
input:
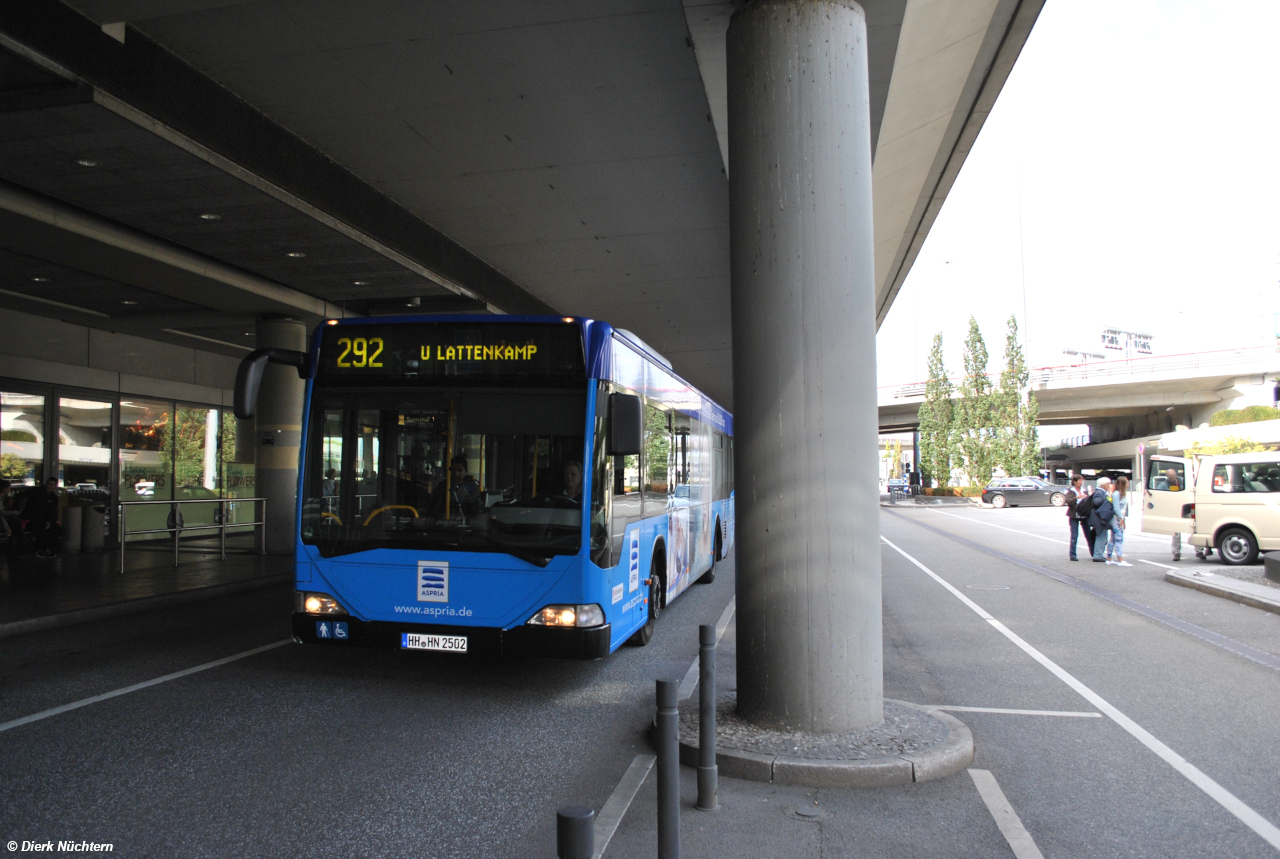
[774,820]
[73,588]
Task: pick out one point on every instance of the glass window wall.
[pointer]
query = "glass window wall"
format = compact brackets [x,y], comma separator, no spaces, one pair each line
[22,438]
[195,463]
[84,448]
[146,462]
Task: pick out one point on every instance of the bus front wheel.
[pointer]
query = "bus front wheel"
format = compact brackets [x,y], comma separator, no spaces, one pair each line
[644,634]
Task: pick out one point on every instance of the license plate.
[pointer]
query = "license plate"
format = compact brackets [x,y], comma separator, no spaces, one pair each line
[419,641]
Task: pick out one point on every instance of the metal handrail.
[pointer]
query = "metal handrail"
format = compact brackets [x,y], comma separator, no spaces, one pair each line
[220,526]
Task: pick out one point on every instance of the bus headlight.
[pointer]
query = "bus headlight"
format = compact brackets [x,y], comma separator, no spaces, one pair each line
[316,603]
[568,615]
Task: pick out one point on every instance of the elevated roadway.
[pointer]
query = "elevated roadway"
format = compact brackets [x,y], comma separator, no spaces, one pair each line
[1125,398]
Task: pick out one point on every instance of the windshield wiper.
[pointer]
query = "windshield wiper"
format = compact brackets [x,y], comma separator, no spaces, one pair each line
[515,551]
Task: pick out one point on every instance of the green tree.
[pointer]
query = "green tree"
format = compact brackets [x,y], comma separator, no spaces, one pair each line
[974,412]
[1229,444]
[937,433]
[1029,434]
[1016,412]
[13,466]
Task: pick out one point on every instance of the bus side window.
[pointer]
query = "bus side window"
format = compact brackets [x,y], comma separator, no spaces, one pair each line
[657,450]
[628,503]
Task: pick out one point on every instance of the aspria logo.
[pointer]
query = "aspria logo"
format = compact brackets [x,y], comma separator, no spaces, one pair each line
[633,559]
[433,581]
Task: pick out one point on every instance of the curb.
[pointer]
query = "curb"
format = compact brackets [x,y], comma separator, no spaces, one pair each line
[950,756]
[1237,591]
[134,606]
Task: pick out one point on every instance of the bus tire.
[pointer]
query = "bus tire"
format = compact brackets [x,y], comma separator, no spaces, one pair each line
[644,634]
[710,575]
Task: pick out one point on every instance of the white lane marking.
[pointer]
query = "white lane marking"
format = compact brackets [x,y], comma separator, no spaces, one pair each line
[723,623]
[690,681]
[1250,818]
[1020,841]
[1001,527]
[619,801]
[1154,564]
[1071,714]
[1127,536]
[94,699]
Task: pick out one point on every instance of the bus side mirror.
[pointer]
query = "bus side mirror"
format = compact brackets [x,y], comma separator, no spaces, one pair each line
[249,376]
[626,425]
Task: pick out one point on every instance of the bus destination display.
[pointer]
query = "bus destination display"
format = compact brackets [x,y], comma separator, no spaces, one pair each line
[439,350]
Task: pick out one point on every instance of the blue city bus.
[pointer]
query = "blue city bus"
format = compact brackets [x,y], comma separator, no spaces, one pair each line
[503,485]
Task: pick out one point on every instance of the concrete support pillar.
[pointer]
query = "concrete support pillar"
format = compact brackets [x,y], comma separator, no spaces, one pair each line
[279,433]
[804,367]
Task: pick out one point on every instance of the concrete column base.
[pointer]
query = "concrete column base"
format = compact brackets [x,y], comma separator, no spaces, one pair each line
[912,744]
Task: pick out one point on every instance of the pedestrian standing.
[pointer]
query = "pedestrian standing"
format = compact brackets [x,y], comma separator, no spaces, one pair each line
[41,512]
[1120,506]
[1074,493]
[1100,515]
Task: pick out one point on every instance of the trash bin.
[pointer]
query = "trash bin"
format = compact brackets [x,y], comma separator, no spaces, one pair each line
[71,525]
[92,527]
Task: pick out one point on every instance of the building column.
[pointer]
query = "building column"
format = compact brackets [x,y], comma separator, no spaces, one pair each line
[279,433]
[804,367]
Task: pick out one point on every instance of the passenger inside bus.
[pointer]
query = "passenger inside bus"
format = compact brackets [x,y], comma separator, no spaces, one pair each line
[573,481]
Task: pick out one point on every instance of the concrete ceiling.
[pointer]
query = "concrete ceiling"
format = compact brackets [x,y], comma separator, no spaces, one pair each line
[561,156]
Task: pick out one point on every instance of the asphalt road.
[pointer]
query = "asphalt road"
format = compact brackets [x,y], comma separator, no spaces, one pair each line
[300,751]
[1081,786]
[316,751]
[1086,786]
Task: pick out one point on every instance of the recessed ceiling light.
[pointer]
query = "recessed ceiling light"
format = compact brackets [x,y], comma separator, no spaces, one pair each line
[86,162]
[360,282]
[248,334]
[295,254]
[413,302]
[40,279]
[128,302]
[209,216]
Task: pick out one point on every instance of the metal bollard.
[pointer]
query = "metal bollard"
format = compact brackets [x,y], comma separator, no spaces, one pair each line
[708,774]
[668,734]
[576,832]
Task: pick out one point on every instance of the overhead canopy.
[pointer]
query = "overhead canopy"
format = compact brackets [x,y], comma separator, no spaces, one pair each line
[561,157]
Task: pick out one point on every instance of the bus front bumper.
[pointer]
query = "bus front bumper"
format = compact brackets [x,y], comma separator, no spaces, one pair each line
[521,641]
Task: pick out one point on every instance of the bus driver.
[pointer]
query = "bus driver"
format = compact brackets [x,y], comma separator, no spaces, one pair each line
[573,481]
[459,487]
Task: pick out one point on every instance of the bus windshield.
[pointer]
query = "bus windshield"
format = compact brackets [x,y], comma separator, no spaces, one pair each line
[456,469]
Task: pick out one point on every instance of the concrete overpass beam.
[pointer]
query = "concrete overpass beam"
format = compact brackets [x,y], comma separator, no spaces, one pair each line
[803,298]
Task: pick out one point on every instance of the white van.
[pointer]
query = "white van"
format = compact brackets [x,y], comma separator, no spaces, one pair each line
[1230,503]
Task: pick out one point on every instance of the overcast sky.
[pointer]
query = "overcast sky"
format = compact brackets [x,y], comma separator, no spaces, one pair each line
[1128,175]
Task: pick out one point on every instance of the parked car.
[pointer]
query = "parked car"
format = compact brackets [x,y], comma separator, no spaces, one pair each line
[1228,503]
[1023,492]
[896,483]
